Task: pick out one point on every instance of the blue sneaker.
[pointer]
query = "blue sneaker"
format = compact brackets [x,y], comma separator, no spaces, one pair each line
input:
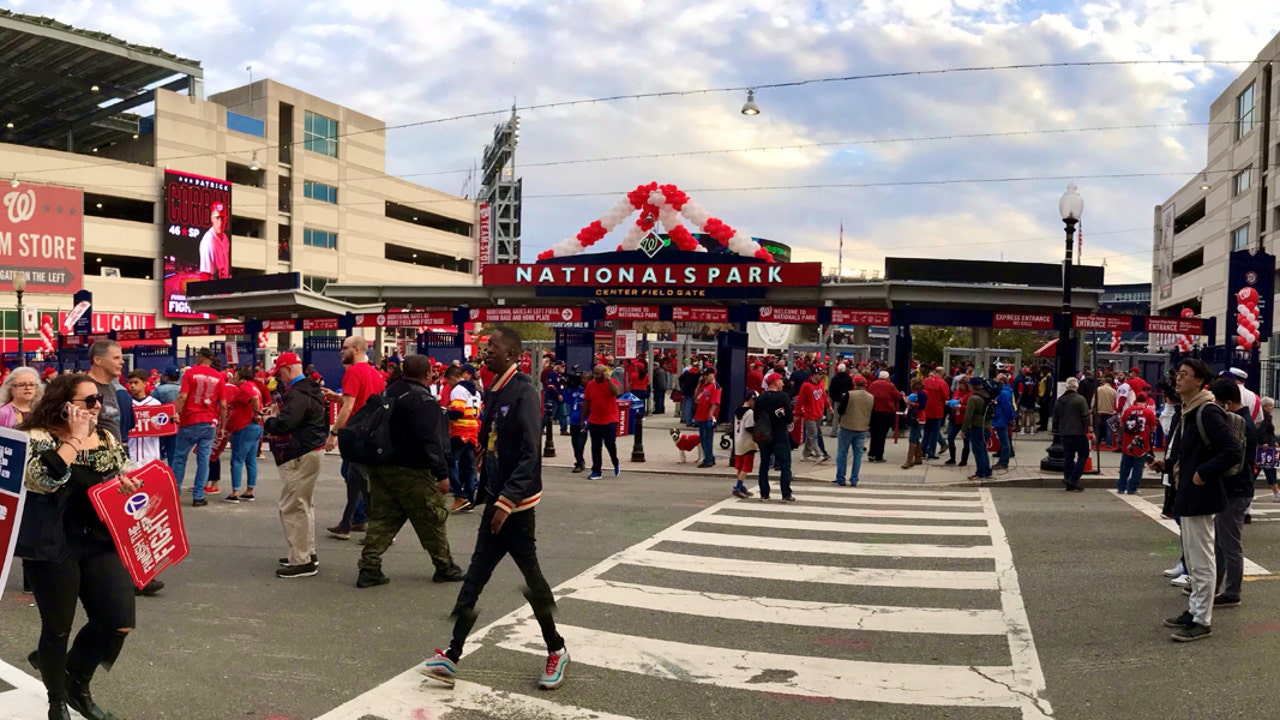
[837,482]
[553,675]
[594,476]
[440,668]
[617,471]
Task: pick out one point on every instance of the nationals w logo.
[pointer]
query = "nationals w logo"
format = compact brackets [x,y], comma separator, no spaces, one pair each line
[21,205]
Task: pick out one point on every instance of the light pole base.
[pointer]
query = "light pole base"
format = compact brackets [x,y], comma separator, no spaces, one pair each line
[1055,458]
[637,448]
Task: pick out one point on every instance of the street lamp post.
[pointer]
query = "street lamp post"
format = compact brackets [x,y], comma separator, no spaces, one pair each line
[1070,207]
[19,287]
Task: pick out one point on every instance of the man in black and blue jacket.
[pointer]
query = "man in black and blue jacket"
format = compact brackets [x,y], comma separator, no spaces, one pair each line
[510,488]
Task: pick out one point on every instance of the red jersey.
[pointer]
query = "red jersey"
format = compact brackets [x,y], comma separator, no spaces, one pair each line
[707,396]
[203,387]
[602,405]
[360,381]
[939,393]
[240,405]
[755,381]
[1137,422]
[812,401]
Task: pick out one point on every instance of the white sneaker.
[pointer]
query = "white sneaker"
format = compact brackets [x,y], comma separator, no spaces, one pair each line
[1275,497]
[1176,571]
[1182,581]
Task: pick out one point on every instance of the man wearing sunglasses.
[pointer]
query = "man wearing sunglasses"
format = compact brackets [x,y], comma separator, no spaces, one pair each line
[105,363]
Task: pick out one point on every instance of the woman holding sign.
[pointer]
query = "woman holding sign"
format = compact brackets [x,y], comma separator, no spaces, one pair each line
[67,551]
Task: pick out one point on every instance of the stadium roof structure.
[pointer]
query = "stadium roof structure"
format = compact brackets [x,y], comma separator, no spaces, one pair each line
[71,89]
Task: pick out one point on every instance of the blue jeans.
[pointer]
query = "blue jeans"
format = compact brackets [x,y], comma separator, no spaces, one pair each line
[562,416]
[844,440]
[1130,474]
[688,411]
[779,452]
[462,479]
[168,444]
[977,440]
[1002,434]
[707,434]
[916,431]
[932,433]
[200,437]
[357,480]
[244,454]
[1075,452]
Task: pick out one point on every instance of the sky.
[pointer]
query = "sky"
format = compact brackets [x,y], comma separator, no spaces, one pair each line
[852,152]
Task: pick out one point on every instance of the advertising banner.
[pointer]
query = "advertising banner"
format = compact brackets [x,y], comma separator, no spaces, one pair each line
[631,312]
[700,314]
[484,234]
[196,244]
[1251,281]
[1176,326]
[416,318]
[1023,321]
[1123,323]
[42,234]
[147,525]
[105,322]
[154,420]
[330,323]
[625,345]
[841,316]
[80,320]
[797,315]
[540,315]
[13,465]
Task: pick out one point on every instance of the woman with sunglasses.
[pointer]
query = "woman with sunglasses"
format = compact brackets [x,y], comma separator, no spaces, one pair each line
[67,551]
[20,392]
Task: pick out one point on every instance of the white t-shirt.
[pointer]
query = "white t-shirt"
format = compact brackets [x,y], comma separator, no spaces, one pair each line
[144,450]
[1124,397]
[1249,399]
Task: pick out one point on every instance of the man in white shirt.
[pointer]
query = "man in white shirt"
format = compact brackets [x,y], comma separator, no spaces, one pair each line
[1124,393]
[1248,398]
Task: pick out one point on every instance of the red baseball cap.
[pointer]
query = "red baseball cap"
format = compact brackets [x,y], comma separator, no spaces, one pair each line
[859,380]
[771,377]
[285,359]
[49,372]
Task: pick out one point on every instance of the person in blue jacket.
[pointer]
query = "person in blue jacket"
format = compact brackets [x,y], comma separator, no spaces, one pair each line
[572,394]
[1006,413]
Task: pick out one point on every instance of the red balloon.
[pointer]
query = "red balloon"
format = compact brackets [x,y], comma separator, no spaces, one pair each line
[1188,313]
[1247,295]
[546,255]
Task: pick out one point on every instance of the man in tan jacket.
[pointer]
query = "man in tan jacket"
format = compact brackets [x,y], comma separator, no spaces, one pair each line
[1104,406]
[855,422]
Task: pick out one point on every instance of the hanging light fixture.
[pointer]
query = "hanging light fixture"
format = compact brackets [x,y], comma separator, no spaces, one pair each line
[13,182]
[750,107]
[254,165]
[1204,181]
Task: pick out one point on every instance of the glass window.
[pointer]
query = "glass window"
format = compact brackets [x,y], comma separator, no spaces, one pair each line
[320,191]
[320,238]
[1244,112]
[315,283]
[320,134]
[1242,181]
[1240,238]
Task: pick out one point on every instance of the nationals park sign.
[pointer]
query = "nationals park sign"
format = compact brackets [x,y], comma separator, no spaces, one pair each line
[737,280]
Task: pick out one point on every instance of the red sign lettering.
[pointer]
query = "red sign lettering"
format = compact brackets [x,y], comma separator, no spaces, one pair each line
[108,322]
[1023,321]
[146,525]
[153,421]
[1122,323]
[841,316]
[42,234]
[483,235]
[700,314]
[771,313]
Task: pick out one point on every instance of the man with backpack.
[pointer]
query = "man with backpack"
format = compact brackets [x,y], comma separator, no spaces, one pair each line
[1228,525]
[773,418]
[360,380]
[978,412]
[1071,423]
[411,485]
[1202,449]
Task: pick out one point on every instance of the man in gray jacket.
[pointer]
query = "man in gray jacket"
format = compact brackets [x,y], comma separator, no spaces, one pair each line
[855,422]
[1071,422]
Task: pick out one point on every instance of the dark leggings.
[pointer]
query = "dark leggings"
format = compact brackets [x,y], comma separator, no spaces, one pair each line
[606,435]
[93,574]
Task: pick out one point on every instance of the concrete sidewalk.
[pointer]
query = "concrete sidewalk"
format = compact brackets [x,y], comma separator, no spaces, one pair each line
[662,456]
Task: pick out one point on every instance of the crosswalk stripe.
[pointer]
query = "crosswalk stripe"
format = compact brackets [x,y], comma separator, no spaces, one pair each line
[861,491]
[876,512]
[1152,511]
[409,696]
[844,527]
[875,501]
[797,675]
[870,577]
[825,547]
[875,618]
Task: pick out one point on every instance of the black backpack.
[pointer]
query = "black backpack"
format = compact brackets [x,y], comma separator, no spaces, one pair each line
[366,438]
[989,411]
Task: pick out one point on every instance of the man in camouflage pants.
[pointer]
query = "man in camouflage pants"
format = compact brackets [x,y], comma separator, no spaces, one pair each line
[413,485]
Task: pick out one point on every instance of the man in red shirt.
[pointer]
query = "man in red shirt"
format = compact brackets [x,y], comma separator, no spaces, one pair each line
[706,411]
[888,397]
[812,404]
[200,407]
[360,380]
[939,392]
[600,415]
[755,379]
[1137,423]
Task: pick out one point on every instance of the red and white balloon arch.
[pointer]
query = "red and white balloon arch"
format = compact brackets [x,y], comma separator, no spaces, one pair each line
[656,203]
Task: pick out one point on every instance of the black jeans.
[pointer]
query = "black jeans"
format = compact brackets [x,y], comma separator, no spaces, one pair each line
[1075,453]
[92,573]
[952,432]
[518,538]
[881,423]
[355,512]
[606,435]
[780,452]
[578,439]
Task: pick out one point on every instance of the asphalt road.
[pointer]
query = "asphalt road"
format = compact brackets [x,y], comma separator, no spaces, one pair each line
[679,603]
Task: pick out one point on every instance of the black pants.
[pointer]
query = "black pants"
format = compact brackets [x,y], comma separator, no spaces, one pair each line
[881,423]
[606,435]
[518,538]
[1075,453]
[578,439]
[93,574]
[1045,409]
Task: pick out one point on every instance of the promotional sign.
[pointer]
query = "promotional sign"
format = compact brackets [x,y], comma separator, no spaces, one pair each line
[233,354]
[80,320]
[539,315]
[13,466]
[1177,326]
[330,323]
[625,345]
[147,525]
[109,322]
[841,316]
[631,312]
[1023,321]
[154,420]
[797,315]
[279,325]
[700,314]
[42,234]
[694,280]
[416,318]
[196,244]
[30,320]
[484,235]
[1123,323]
[1251,280]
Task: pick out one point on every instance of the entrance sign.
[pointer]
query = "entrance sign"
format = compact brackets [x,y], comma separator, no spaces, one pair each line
[483,236]
[539,315]
[155,420]
[631,312]
[797,315]
[1175,326]
[860,317]
[405,319]
[700,314]
[1110,323]
[735,280]
[330,323]
[1023,321]
[147,525]
[42,234]
[13,494]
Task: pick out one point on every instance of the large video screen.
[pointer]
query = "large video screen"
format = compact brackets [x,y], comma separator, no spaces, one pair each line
[196,244]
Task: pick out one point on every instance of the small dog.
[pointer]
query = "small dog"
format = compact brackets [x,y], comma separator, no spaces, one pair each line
[687,442]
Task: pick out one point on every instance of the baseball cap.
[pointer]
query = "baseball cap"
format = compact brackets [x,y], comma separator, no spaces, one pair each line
[284,360]
[708,370]
[771,378]
[49,372]
[172,371]
[1237,372]
[859,380]
[469,368]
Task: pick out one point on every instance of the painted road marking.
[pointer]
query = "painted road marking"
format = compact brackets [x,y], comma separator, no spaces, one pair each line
[875,512]
[861,528]
[825,547]
[27,700]
[857,499]
[1152,511]
[860,491]
[804,613]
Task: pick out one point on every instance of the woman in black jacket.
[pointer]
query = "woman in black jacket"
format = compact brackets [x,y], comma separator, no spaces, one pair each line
[67,551]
